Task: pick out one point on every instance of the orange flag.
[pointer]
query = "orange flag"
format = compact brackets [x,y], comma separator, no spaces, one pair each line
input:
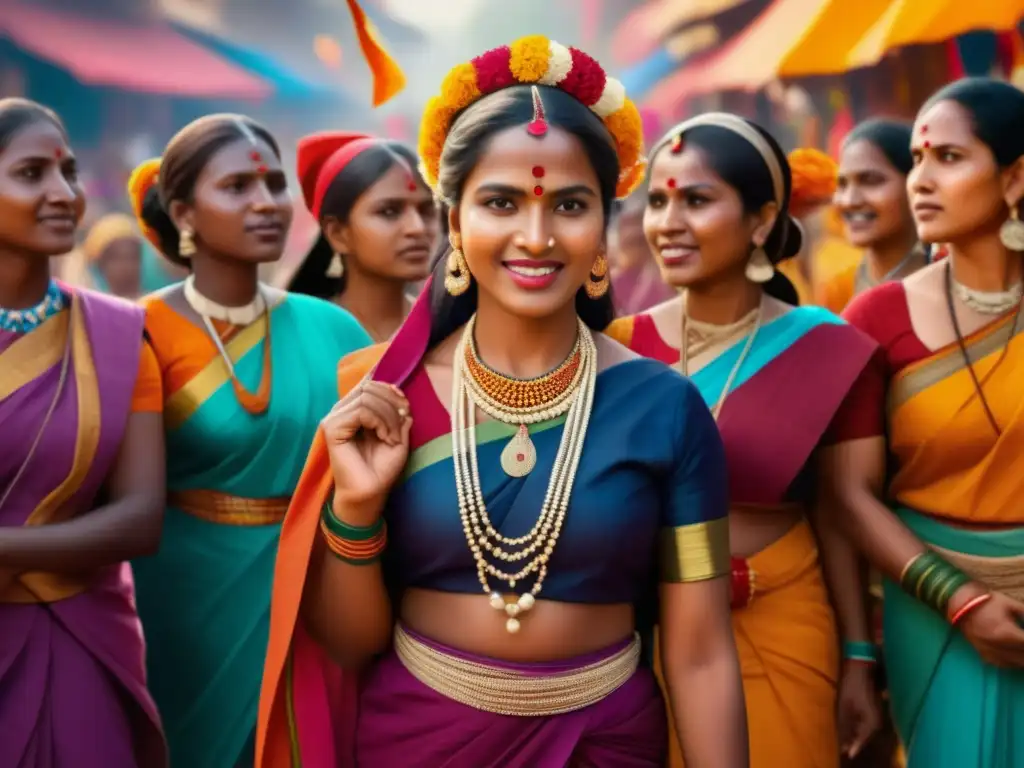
[388,78]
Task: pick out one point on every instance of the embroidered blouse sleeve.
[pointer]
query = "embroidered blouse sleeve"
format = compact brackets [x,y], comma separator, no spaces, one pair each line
[694,536]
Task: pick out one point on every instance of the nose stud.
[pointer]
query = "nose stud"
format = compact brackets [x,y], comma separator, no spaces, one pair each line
[551,242]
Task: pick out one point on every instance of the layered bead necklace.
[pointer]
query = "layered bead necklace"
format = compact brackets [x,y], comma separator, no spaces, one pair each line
[257,402]
[571,393]
[25,320]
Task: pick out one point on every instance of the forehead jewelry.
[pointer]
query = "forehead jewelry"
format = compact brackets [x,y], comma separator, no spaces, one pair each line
[254,155]
[538,126]
[677,144]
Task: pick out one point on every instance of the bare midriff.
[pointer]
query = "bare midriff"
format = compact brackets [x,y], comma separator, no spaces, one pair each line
[550,631]
[754,527]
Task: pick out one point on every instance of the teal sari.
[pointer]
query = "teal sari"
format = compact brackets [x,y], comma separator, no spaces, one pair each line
[951,708]
[204,599]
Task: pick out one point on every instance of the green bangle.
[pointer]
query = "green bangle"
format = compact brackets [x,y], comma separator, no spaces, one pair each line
[343,530]
[933,581]
[913,572]
[858,650]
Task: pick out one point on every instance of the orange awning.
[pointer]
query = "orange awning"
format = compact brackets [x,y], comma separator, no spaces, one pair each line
[908,22]
[644,29]
[748,62]
[825,43]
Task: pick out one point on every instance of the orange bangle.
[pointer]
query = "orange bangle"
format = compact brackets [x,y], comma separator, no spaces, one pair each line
[969,606]
[355,552]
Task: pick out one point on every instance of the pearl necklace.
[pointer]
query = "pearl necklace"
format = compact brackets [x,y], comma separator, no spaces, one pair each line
[989,302]
[25,320]
[204,307]
[483,539]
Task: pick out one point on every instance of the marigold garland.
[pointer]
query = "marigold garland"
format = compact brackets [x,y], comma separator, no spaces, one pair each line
[143,179]
[814,180]
[536,60]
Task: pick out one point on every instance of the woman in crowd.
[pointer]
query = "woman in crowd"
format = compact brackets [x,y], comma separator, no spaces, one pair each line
[247,374]
[110,259]
[775,376]
[513,624]
[949,388]
[871,196]
[81,478]
[378,226]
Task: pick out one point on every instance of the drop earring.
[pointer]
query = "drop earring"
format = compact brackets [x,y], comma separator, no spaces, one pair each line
[759,267]
[457,277]
[1011,234]
[186,244]
[597,281]
[336,268]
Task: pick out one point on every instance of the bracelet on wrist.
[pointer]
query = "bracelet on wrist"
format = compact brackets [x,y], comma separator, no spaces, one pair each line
[932,580]
[858,650]
[352,544]
[969,606]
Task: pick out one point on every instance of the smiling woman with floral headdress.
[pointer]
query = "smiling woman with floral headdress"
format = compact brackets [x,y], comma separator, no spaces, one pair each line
[485,514]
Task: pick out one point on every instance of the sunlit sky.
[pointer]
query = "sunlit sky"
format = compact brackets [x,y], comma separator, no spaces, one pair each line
[432,17]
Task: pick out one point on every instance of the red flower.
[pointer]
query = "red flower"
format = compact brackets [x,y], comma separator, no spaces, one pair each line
[493,70]
[585,80]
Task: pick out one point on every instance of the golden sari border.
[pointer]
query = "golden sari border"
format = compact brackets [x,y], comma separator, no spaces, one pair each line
[916,378]
[182,405]
[51,587]
[225,509]
[33,354]
[696,552]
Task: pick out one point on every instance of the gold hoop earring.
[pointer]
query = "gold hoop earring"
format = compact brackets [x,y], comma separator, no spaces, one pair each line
[336,268]
[186,244]
[759,267]
[1011,234]
[598,281]
[457,278]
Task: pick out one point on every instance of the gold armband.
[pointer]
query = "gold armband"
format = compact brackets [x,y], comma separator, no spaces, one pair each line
[694,552]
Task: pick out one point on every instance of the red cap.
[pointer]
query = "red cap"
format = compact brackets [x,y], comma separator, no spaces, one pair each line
[321,157]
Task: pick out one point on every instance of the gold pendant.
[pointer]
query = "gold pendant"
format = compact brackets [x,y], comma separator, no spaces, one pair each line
[520,456]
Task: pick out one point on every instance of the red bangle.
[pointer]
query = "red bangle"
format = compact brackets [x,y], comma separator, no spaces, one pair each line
[969,606]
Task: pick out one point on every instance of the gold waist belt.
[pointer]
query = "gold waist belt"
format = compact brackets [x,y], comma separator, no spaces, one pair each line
[225,509]
[1002,574]
[510,692]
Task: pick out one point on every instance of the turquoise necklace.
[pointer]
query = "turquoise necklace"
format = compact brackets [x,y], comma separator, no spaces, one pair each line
[25,320]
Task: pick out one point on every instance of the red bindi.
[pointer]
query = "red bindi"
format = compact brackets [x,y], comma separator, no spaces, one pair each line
[671,183]
[261,169]
[58,153]
[924,129]
[538,190]
[538,171]
[256,156]
[411,186]
[927,144]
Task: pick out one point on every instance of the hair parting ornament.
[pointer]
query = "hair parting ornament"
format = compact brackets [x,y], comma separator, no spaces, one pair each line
[536,61]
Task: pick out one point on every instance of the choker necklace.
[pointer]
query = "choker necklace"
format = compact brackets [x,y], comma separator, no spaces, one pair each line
[988,302]
[527,556]
[204,307]
[255,403]
[715,334]
[25,320]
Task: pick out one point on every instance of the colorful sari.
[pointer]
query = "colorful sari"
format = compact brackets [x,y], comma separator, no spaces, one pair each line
[951,709]
[312,715]
[72,677]
[797,373]
[204,599]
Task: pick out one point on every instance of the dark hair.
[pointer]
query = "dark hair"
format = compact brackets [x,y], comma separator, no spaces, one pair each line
[997,114]
[18,114]
[183,161]
[740,165]
[470,137]
[891,137]
[362,172]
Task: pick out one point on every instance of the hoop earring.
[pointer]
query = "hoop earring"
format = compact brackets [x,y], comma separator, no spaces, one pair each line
[1011,234]
[598,282]
[336,268]
[457,278]
[759,267]
[186,244]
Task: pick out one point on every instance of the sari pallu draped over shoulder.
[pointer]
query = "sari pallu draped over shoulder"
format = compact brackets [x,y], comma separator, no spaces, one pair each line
[798,371]
[951,709]
[204,597]
[72,679]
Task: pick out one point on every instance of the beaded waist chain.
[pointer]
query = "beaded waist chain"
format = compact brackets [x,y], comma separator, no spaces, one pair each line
[225,509]
[511,692]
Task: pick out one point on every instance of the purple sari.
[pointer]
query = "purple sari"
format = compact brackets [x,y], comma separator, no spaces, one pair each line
[72,683]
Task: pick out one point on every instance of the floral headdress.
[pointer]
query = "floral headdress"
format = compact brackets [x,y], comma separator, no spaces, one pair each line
[536,60]
[143,179]
[815,176]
